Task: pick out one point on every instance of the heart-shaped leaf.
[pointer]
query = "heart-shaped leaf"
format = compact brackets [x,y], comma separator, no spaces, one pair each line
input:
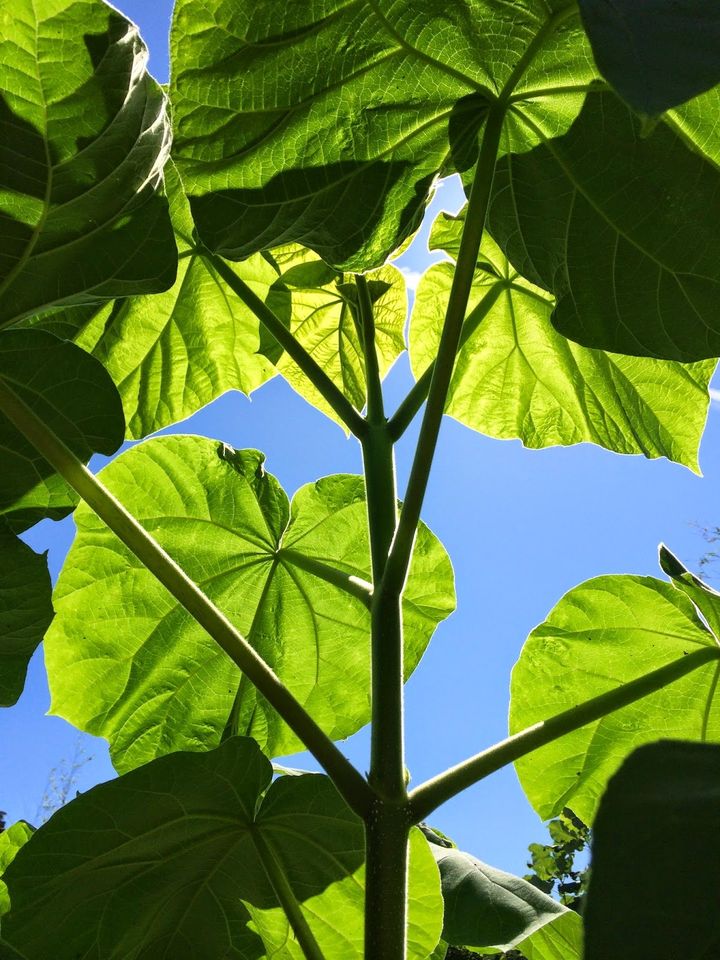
[601,635]
[190,847]
[126,661]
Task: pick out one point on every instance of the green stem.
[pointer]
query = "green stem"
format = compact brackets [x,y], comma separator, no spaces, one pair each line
[315,374]
[406,412]
[386,859]
[375,407]
[397,566]
[286,898]
[429,795]
[348,780]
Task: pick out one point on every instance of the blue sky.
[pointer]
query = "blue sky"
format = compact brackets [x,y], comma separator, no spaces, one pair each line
[522,527]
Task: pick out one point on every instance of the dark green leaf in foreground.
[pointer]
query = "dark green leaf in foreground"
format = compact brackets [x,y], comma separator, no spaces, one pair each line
[25,611]
[74,396]
[128,663]
[326,124]
[174,352]
[656,846]
[11,840]
[84,137]
[316,303]
[602,634]
[516,377]
[182,847]
[486,907]
[604,214]
[656,53]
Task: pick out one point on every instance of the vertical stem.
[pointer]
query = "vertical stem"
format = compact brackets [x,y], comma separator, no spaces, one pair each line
[386,853]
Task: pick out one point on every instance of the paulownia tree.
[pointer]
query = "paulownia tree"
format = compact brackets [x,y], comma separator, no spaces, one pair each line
[160,247]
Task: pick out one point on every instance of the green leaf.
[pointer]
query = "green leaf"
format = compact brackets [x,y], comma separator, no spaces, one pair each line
[604,214]
[174,352]
[704,597]
[128,663]
[326,124]
[182,846]
[601,635]
[11,841]
[656,846]
[516,377]
[561,939]
[84,136]
[487,907]
[25,612]
[75,397]
[656,54]
[316,303]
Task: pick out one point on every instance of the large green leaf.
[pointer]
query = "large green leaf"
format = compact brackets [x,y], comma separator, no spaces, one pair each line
[128,663]
[25,611]
[74,396]
[83,139]
[602,634]
[174,352]
[621,226]
[657,54]
[11,841]
[486,907]
[317,304]
[516,377]
[182,847]
[656,846]
[327,123]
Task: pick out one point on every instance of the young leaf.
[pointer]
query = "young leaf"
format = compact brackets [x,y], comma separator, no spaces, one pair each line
[600,635]
[656,846]
[487,907]
[327,124]
[316,303]
[84,137]
[75,397]
[174,352]
[186,846]
[11,841]
[604,214]
[516,377]
[656,54]
[127,663]
[25,611]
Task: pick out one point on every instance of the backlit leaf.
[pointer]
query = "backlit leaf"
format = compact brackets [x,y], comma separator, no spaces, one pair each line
[516,377]
[600,635]
[181,846]
[327,123]
[11,840]
[126,662]
[83,139]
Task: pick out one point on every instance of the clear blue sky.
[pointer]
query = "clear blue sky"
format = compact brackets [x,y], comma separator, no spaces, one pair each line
[522,527]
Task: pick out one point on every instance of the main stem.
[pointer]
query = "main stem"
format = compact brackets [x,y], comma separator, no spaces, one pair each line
[348,780]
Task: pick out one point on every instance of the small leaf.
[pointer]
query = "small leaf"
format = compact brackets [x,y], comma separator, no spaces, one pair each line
[658,53]
[327,125]
[173,845]
[487,907]
[656,846]
[11,841]
[601,635]
[318,307]
[25,613]
[516,377]
[601,216]
[126,661]
[71,392]
[84,136]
